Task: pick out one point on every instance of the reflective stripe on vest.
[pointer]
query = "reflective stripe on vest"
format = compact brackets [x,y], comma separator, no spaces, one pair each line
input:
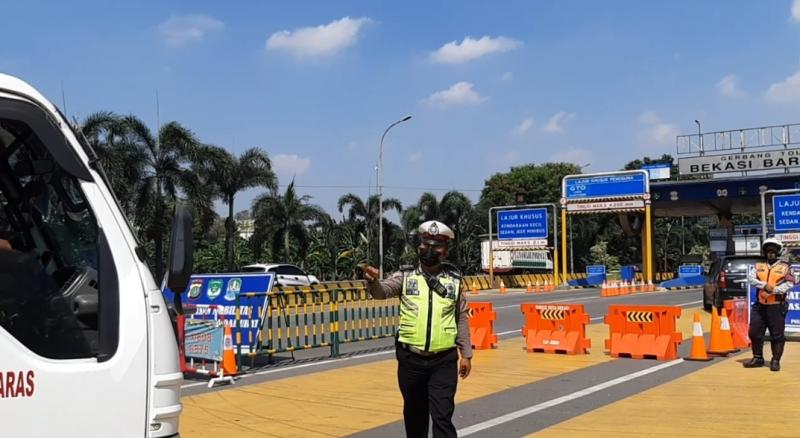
[773,277]
[428,320]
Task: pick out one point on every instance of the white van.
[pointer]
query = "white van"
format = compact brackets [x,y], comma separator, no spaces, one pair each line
[87,348]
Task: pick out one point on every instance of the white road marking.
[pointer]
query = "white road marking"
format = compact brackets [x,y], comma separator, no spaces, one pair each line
[564,399]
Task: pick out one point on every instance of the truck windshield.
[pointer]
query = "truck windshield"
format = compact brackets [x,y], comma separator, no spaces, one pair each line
[48,250]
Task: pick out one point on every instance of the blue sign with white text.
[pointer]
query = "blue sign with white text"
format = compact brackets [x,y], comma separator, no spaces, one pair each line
[786,209]
[522,224]
[690,270]
[595,270]
[220,291]
[605,186]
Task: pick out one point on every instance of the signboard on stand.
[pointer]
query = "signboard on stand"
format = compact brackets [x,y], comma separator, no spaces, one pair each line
[212,294]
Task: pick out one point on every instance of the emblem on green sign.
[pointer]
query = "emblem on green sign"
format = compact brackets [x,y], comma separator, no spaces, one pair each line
[214,288]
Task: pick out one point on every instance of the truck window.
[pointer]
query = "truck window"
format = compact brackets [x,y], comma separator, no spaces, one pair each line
[51,294]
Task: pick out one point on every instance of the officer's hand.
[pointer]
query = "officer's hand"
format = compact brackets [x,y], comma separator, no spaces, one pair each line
[370,273]
[464,367]
[5,245]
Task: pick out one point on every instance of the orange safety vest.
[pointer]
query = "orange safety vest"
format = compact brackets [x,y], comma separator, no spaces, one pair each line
[773,277]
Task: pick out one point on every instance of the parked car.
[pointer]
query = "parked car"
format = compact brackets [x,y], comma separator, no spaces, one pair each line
[285,274]
[727,278]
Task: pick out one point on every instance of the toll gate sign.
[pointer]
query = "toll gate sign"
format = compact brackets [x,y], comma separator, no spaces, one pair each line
[522,224]
[786,209]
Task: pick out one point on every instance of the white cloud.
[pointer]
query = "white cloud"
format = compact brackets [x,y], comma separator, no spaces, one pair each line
[796,11]
[524,126]
[556,123]
[507,76]
[290,165]
[416,156]
[470,49]
[186,29]
[728,86]
[573,155]
[656,132]
[323,40]
[786,91]
[460,93]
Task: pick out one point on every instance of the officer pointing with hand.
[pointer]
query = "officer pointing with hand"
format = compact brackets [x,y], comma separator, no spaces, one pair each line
[433,332]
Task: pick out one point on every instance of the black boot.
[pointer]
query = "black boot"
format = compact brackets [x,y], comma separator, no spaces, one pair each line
[755,362]
[774,365]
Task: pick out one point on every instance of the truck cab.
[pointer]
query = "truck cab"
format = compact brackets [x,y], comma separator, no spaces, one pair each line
[87,346]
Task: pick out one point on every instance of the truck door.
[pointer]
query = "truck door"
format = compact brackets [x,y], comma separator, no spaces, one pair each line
[73,326]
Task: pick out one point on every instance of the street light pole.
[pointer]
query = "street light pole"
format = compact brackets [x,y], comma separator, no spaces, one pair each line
[700,137]
[380,194]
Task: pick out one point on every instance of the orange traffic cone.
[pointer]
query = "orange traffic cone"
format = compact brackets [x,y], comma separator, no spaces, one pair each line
[530,287]
[537,287]
[228,358]
[474,288]
[698,342]
[502,287]
[718,344]
[727,336]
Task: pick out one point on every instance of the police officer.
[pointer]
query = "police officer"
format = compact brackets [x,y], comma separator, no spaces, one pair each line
[773,278]
[433,332]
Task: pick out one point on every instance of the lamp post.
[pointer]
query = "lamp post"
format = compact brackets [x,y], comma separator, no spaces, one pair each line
[700,136]
[380,194]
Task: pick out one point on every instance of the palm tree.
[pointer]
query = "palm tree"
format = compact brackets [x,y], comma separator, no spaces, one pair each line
[230,175]
[164,174]
[122,160]
[364,216]
[281,217]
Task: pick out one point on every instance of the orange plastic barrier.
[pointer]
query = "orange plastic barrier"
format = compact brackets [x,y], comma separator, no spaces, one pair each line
[555,328]
[643,332]
[481,325]
[737,316]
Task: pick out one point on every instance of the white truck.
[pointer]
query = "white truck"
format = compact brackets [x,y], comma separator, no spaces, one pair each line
[87,348]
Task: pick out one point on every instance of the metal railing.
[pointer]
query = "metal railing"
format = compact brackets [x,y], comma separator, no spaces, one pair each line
[738,140]
[325,315]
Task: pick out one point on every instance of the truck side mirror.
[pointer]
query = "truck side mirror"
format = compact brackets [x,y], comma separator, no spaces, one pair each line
[181,254]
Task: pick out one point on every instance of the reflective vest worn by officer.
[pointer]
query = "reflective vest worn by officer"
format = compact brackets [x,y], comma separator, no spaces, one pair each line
[428,314]
[773,276]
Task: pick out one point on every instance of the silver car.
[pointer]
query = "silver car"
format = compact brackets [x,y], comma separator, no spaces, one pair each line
[285,274]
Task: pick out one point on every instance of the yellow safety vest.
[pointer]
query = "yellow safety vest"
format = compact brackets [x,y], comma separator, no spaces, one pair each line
[427,319]
[773,277]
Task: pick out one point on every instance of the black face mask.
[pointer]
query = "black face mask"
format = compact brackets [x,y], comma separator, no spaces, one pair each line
[430,257]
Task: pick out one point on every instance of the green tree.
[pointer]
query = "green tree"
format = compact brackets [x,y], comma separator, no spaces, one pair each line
[281,219]
[230,175]
[364,219]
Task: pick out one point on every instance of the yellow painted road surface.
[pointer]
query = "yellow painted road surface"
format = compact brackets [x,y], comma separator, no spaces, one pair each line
[360,397]
[723,400]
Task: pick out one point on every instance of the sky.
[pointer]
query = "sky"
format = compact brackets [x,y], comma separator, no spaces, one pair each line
[489,85]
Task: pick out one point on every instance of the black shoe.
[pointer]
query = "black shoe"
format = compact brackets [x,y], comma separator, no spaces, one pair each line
[774,365]
[755,362]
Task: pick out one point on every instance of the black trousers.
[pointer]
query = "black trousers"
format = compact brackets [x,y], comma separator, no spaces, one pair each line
[428,385]
[767,316]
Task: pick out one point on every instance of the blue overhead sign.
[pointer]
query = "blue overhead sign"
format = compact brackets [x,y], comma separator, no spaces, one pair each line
[658,170]
[631,183]
[786,209]
[522,224]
